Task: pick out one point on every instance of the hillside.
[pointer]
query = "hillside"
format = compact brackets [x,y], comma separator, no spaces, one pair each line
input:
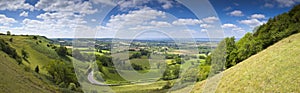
[39,54]
[275,69]
[21,55]
[14,79]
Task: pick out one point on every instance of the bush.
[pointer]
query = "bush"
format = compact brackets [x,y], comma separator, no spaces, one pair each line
[27,69]
[168,85]
[37,69]
[72,86]
[62,51]
[202,56]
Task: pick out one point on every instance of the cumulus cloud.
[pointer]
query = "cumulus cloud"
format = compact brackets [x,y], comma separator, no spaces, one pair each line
[24,13]
[187,22]
[211,19]
[281,3]
[124,4]
[6,21]
[229,26]
[287,3]
[134,18]
[93,20]
[204,30]
[160,24]
[166,3]
[82,7]
[236,13]
[206,26]
[257,16]
[105,2]
[233,29]
[56,15]
[14,5]
[251,22]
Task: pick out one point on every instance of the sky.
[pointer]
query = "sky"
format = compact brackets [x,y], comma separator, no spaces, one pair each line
[138,18]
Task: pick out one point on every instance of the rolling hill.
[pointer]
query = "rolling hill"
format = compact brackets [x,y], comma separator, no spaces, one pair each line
[275,69]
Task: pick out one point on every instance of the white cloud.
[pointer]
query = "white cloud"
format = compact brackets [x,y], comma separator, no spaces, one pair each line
[93,20]
[6,21]
[166,3]
[32,23]
[204,30]
[206,26]
[187,22]
[24,13]
[66,6]
[238,29]
[190,31]
[105,2]
[57,16]
[124,4]
[236,4]
[228,8]
[211,19]
[258,16]
[229,26]
[251,22]
[134,18]
[160,24]
[269,5]
[233,30]
[287,3]
[236,13]
[14,5]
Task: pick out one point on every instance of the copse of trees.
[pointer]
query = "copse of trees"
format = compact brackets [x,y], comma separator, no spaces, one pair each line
[62,74]
[62,51]
[140,53]
[104,60]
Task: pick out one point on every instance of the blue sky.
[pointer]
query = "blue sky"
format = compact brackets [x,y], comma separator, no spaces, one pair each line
[138,18]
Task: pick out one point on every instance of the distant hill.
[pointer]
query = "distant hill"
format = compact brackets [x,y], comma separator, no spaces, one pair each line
[275,69]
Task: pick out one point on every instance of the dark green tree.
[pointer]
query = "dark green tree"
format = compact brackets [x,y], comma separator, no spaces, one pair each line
[62,51]
[8,33]
[37,69]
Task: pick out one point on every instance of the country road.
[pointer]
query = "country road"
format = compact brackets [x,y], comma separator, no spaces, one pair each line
[95,82]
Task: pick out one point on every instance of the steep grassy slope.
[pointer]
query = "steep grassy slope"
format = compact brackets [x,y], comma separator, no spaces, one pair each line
[39,54]
[275,69]
[14,79]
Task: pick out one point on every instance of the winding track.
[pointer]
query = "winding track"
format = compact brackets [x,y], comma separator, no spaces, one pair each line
[95,82]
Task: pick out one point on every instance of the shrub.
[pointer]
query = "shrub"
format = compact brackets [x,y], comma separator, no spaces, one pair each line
[27,69]
[168,85]
[37,70]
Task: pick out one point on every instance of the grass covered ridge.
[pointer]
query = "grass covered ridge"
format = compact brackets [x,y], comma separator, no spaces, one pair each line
[275,69]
